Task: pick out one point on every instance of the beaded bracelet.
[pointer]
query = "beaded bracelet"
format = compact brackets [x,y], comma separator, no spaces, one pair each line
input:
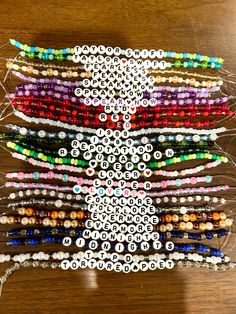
[43,202]
[32,185]
[179,89]
[58,53]
[161,138]
[46,80]
[24,220]
[201,189]
[88,256]
[54,100]
[49,72]
[80,181]
[191,199]
[180,148]
[52,214]
[70,90]
[82,163]
[193,226]
[216,215]
[59,239]
[63,121]
[43,231]
[206,235]
[211,132]
[185,209]
[44,192]
[66,113]
[76,169]
[116,267]
[58,93]
[187,171]
[128,258]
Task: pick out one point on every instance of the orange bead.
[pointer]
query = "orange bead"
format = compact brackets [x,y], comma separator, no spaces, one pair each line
[54,215]
[168,218]
[192,217]
[216,216]
[80,215]
[29,211]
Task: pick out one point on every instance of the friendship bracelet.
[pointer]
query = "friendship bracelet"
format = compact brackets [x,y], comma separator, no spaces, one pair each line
[43,231]
[80,181]
[192,217]
[201,189]
[206,235]
[71,91]
[53,214]
[24,220]
[161,138]
[32,185]
[43,202]
[208,225]
[88,255]
[116,267]
[43,98]
[89,170]
[49,72]
[79,83]
[191,199]
[185,209]
[109,50]
[63,121]
[82,163]
[44,192]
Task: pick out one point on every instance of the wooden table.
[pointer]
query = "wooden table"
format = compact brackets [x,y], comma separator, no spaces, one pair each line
[207,27]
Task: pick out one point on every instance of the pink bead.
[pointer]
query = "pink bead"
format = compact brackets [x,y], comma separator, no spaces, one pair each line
[20,175]
[59,167]
[163,184]
[50,174]
[184,181]
[79,180]
[193,180]
[9,175]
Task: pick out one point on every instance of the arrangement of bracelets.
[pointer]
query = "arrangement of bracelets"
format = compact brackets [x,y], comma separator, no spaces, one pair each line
[126,181]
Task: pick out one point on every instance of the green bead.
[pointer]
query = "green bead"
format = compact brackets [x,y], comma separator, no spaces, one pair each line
[204,65]
[178,182]
[190,63]
[65,177]
[44,56]
[36,175]
[177,63]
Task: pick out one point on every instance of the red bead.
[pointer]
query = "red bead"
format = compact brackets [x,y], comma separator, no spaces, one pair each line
[187,123]
[155,123]
[63,118]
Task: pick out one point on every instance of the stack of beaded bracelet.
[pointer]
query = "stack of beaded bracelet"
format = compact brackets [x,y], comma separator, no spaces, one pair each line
[126,129]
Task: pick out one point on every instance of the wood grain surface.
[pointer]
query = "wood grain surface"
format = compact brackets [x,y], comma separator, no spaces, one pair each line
[207,27]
